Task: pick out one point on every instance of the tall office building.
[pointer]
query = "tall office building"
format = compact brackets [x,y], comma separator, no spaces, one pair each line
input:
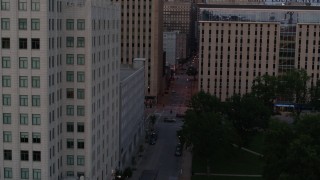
[59,89]
[241,42]
[141,37]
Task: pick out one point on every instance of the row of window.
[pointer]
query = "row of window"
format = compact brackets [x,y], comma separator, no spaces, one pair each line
[80,24]
[70,76]
[23,43]
[24,155]
[70,127]
[23,81]
[80,110]
[70,160]
[23,62]
[24,119]
[70,143]
[24,137]
[24,172]
[80,93]
[22,5]
[22,24]
[70,41]
[70,59]
[23,100]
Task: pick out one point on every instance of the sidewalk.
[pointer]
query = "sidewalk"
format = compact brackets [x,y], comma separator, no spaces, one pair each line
[186,165]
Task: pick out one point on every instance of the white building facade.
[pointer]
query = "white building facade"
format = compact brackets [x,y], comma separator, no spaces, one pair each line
[59,89]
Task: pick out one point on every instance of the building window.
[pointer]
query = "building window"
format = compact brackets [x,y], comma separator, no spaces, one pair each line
[6,118]
[24,173]
[70,110]
[80,41]
[7,154]
[36,138]
[23,43]
[7,173]
[5,42]
[6,62]
[70,41]
[35,5]
[80,24]
[80,59]
[80,160]
[69,24]
[36,174]
[80,110]
[70,93]
[69,59]
[70,173]
[36,100]
[35,81]
[5,24]
[23,63]
[70,127]
[24,155]
[70,76]
[22,5]
[80,127]
[6,100]
[36,155]
[80,93]
[70,160]
[6,81]
[23,100]
[24,137]
[36,119]
[23,24]
[35,24]
[80,144]
[23,81]
[5,5]
[35,43]
[35,63]
[7,136]
[80,76]
[24,119]
[70,143]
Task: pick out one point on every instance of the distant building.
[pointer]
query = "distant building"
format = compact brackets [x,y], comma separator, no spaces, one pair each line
[131,110]
[241,42]
[174,44]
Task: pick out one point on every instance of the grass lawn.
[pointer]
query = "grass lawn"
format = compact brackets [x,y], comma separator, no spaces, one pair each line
[223,178]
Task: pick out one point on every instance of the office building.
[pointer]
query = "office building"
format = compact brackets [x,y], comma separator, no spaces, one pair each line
[174,44]
[59,89]
[241,42]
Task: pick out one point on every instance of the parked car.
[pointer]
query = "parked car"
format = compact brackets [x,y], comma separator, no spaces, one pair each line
[169,120]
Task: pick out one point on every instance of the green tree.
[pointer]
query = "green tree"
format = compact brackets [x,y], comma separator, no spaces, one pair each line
[205,102]
[315,96]
[265,88]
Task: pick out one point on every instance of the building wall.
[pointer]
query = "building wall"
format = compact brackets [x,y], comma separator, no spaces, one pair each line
[170,47]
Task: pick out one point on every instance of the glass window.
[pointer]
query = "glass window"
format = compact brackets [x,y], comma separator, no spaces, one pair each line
[5,24]
[35,63]
[5,5]
[24,155]
[35,24]
[6,81]
[70,110]
[24,137]
[24,119]
[23,81]
[70,42]
[80,24]
[69,24]
[80,160]
[23,24]
[5,42]
[80,144]
[70,59]
[35,5]
[70,143]
[70,173]
[35,43]
[80,76]
[70,160]
[6,62]
[70,93]
[35,100]
[6,100]
[36,119]
[7,172]
[23,100]
[80,41]
[7,154]
[35,81]
[70,127]
[70,76]
[23,62]
[80,110]
[6,118]
[80,127]
[36,174]
[36,138]
[24,173]
[7,136]
[23,43]
[80,93]
[80,59]
[36,155]
[22,5]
